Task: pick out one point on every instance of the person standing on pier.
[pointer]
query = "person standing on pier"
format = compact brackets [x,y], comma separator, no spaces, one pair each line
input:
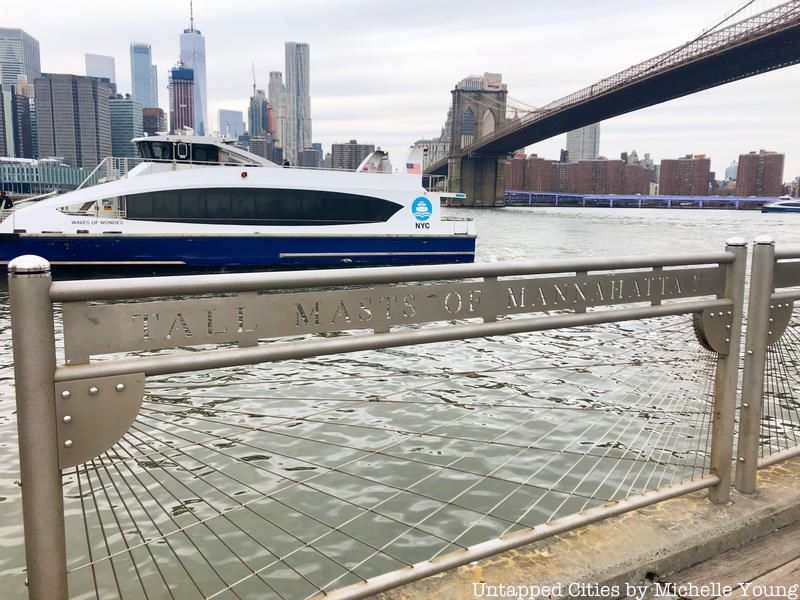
[5,201]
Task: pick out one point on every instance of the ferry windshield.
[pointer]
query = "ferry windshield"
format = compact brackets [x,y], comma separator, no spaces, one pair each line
[179,151]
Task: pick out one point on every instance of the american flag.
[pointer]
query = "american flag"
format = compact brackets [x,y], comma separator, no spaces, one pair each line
[413,169]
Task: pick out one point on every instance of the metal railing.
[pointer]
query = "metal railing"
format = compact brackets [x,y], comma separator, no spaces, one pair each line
[361,476]
[770,406]
[112,168]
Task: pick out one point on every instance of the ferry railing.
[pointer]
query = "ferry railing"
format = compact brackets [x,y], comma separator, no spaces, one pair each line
[112,168]
[769,430]
[80,418]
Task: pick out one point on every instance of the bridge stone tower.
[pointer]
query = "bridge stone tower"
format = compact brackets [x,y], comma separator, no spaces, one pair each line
[478,108]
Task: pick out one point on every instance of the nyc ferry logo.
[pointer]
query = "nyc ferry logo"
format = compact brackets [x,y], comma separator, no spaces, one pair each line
[422,209]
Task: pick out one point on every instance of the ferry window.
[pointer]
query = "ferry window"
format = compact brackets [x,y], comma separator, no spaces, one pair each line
[139,206]
[243,204]
[146,150]
[226,157]
[161,150]
[193,204]
[165,205]
[278,205]
[218,204]
[182,151]
[260,207]
[202,153]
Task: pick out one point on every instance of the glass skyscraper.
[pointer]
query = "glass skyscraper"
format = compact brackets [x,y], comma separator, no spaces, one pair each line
[126,124]
[231,123]
[181,99]
[193,56]
[276,95]
[298,100]
[144,85]
[584,143]
[74,119]
[19,55]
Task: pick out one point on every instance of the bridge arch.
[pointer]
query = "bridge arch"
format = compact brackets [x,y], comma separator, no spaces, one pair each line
[487,124]
[468,122]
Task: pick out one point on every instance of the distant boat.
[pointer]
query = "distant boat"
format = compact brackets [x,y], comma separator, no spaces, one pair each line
[203,202]
[784,204]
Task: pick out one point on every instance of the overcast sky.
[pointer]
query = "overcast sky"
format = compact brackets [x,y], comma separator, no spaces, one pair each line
[382,71]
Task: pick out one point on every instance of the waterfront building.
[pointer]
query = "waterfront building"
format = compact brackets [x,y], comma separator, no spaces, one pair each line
[73,118]
[144,80]
[154,121]
[19,55]
[515,172]
[687,176]
[100,66]
[298,100]
[311,157]
[258,115]
[16,135]
[276,95]
[126,123]
[598,176]
[760,174]
[583,143]
[266,148]
[601,176]
[181,99]
[231,123]
[348,156]
[540,174]
[193,56]
[27,177]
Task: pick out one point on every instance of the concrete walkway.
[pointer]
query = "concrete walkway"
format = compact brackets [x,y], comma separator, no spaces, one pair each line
[625,555]
[766,568]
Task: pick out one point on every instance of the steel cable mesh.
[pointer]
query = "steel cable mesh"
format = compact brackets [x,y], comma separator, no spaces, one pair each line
[780,417]
[290,479]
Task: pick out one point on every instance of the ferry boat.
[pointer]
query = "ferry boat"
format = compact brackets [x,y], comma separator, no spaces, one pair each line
[202,202]
[784,204]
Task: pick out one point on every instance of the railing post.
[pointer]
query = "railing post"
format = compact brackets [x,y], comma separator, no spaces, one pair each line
[34,368]
[758,315]
[727,378]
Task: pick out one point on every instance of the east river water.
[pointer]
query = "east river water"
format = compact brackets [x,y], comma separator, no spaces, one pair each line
[481,368]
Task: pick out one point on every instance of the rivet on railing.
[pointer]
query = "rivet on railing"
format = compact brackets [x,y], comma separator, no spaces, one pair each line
[65,394]
[67,419]
[68,444]
[93,391]
[120,387]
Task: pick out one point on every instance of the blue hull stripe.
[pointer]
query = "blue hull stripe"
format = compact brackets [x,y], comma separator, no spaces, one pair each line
[263,251]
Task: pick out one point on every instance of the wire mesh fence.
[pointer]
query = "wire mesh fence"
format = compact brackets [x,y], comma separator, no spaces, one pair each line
[296,478]
[780,418]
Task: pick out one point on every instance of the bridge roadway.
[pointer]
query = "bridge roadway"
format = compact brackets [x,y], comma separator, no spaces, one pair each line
[768,47]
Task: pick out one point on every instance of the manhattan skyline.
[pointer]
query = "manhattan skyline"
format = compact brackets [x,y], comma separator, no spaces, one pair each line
[384,75]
